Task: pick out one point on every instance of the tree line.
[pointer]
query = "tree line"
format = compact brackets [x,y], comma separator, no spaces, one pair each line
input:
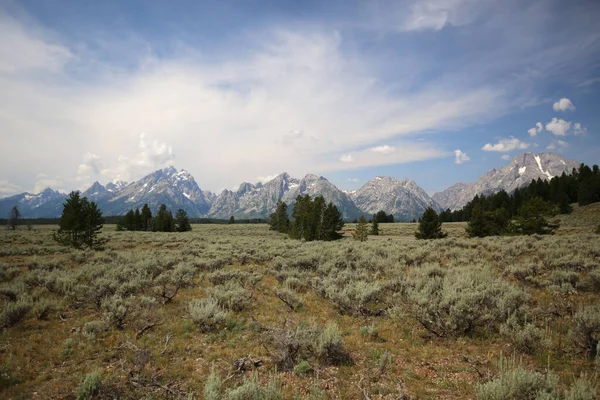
[136,220]
[582,186]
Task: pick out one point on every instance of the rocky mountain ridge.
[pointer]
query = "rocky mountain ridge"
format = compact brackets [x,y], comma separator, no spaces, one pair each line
[518,173]
[178,189]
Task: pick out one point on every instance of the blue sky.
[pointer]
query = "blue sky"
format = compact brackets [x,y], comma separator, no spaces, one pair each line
[436,91]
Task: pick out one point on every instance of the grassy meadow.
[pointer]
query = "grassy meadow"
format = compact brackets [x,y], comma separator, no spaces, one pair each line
[391,318]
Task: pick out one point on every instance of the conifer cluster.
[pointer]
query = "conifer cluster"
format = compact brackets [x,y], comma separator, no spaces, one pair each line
[312,219]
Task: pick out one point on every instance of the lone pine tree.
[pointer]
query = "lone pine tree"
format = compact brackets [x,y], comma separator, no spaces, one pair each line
[430,226]
[80,223]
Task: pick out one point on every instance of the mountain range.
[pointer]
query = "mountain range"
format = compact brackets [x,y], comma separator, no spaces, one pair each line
[178,189]
[518,173]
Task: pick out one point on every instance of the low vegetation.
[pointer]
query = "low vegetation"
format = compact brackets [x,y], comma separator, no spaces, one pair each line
[245,312]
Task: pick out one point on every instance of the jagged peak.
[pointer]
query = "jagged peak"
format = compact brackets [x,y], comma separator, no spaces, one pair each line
[312,177]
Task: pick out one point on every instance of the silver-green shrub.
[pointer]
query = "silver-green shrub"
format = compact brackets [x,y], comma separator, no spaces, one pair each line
[460,300]
[206,313]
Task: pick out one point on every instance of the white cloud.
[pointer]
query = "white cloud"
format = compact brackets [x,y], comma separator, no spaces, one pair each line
[44,181]
[563,104]
[505,157]
[352,179]
[536,129]
[579,130]
[265,179]
[460,157]
[91,166]
[151,155]
[8,188]
[219,118]
[385,149]
[347,158]
[558,127]
[557,144]
[506,145]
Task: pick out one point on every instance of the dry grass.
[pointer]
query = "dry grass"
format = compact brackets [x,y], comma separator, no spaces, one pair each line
[172,358]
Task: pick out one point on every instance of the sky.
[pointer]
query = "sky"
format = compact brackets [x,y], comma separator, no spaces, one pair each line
[439,91]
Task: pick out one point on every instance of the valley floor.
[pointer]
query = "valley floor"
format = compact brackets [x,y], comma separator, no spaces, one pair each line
[332,320]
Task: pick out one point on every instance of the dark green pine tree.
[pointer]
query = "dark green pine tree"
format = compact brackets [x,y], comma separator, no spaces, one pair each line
[93,224]
[477,226]
[430,226]
[362,229]
[137,220]
[71,222]
[163,222]
[374,226]
[279,220]
[332,223]
[13,217]
[80,223]
[316,218]
[146,218]
[531,217]
[182,222]
[231,220]
[128,221]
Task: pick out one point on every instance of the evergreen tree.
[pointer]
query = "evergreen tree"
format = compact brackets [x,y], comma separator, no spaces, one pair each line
[146,218]
[80,223]
[362,229]
[182,222]
[332,223]
[531,217]
[314,220]
[279,220]
[13,217]
[430,226]
[231,220]
[163,222]
[93,223]
[127,221]
[374,227]
[382,217]
[137,220]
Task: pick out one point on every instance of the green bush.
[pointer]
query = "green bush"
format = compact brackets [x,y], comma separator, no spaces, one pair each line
[206,313]
[251,389]
[582,389]
[212,387]
[231,296]
[89,386]
[303,368]
[94,328]
[43,308]
[586,329]
[289,298]
[460,300]
[330,346]
[526,337]
[515,382]
[14,312]
[116,310]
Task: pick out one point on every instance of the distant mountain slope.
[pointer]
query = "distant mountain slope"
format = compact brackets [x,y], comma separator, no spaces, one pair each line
[33,205]
[175,189]
[178,189]
[518,173]
[404,199]
[259,200]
